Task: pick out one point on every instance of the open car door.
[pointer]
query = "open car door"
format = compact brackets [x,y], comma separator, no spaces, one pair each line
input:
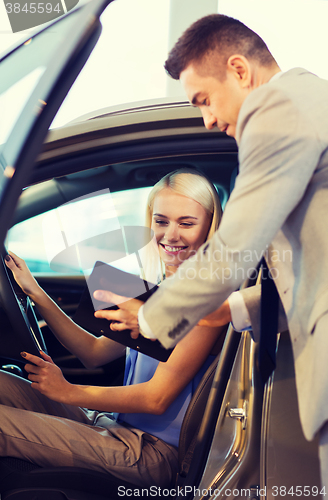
[34,80]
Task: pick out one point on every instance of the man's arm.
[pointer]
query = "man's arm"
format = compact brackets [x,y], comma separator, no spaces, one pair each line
[242,309]
[129,316]
[278,155]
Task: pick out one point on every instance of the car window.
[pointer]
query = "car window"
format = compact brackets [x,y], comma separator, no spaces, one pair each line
[13,99]
[44,241]
[22,70]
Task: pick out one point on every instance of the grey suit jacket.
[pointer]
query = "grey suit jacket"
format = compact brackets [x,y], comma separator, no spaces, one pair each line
[279,208]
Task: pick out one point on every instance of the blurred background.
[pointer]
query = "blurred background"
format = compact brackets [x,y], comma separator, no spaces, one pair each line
[127,64]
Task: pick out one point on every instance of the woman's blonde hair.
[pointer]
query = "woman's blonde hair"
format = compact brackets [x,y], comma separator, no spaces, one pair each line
[194,185]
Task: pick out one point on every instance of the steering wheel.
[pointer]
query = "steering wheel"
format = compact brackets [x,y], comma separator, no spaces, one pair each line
[19,328]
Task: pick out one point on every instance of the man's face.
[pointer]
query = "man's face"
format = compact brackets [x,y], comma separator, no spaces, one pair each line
[219,101]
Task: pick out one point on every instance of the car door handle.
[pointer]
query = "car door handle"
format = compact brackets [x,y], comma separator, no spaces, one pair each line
[239,413]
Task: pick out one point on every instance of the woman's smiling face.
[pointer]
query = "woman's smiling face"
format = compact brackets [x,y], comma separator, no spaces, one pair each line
[180,225]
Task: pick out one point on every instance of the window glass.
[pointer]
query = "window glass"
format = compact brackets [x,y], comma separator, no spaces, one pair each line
[13,99]
[92,224]
[22,70]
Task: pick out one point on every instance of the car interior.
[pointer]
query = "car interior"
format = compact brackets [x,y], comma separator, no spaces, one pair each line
[234,371]
[236,433]
[129,183]
[208,427]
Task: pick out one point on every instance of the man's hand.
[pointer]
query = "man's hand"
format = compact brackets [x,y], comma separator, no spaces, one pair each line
[126,317]
[220,317]
[46,377]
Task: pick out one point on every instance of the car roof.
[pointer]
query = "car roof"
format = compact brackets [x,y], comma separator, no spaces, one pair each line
[126,147]
[156,121]
[152,111]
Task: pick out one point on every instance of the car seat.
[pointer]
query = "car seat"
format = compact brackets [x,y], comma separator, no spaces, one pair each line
[22,480]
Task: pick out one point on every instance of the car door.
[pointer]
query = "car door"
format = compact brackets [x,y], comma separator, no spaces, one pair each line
[34,79]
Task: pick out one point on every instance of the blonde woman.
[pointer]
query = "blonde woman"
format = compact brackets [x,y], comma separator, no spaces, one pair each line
[132,431]
[191,185]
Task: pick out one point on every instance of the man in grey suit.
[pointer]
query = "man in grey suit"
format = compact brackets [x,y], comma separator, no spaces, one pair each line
[278,208]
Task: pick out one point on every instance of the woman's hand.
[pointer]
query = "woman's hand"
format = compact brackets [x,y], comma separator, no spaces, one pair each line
[47,377]
[126,317]
[22,274]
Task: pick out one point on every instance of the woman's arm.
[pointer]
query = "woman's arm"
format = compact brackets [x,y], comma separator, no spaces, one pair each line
[92,351]
[154,396]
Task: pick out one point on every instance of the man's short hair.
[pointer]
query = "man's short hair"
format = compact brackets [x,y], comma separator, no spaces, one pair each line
[220,35]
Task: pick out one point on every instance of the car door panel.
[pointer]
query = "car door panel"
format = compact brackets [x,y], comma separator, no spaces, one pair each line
[288,460]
